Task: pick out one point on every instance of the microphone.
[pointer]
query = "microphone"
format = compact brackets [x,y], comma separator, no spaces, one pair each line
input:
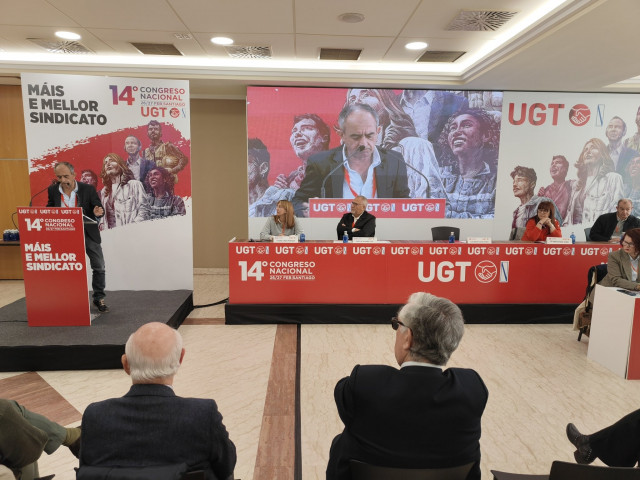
[324,181]
[428,191]
[53,182]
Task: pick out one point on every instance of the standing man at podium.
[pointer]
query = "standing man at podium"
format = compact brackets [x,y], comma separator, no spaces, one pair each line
[67,192]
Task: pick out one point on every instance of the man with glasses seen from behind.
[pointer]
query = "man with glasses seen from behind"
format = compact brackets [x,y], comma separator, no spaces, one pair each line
[422,415]
[358,222]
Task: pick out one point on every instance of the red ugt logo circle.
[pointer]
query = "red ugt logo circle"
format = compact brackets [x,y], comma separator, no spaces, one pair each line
[579,115]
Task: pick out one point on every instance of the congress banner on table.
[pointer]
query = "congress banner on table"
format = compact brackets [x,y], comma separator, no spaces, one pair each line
[129,138]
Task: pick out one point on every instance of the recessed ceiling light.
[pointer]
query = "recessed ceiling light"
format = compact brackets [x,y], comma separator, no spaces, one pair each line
[351,17]
[416,45]
[68,35]
[221,40]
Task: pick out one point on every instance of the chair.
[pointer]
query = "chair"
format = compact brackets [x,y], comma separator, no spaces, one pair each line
[574,471]
[364,471]
[594,276]
[442,233]
[176,471]
[587,232]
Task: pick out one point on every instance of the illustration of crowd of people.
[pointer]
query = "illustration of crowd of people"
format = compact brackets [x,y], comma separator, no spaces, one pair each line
[448,141]
[606,172]
[139,186]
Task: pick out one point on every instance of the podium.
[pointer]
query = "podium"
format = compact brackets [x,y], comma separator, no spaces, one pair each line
[53,261]
[614,341]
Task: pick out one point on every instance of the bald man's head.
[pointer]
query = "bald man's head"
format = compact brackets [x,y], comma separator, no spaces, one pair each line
[153,354]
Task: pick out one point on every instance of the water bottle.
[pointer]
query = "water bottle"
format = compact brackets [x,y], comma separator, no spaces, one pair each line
[452,237]
[345,237]
[573,237]
[302,238]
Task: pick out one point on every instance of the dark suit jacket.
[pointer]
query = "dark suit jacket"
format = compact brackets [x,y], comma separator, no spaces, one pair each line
[150,425]
[366,225]
[391,177]
[606,223]
[87,199]
[415,417]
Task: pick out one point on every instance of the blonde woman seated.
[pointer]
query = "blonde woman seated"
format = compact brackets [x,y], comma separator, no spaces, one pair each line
[283,222]
[543,225]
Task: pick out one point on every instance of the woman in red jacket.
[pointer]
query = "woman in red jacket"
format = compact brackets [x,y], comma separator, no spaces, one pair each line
[543,225]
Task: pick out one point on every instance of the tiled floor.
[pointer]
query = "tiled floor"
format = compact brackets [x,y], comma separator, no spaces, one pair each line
[538,378]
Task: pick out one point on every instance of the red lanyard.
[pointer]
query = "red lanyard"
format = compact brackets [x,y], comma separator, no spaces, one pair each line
[355,194]
[65,203]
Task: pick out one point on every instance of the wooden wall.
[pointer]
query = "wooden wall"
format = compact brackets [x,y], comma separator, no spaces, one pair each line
[218,166]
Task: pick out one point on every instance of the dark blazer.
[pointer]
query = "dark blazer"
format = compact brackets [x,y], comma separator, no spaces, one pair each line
[87,199]
[414,417]
[366,225]
[391,177]
[606,223]
[150,425]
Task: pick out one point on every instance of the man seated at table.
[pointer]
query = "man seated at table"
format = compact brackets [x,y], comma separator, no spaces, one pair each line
[611,226]
[421,415]
[358,222]
[151,425]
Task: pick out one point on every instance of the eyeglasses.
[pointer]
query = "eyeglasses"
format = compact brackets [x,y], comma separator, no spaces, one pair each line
[543,210]
[395,322]
[356,204]
[627,244]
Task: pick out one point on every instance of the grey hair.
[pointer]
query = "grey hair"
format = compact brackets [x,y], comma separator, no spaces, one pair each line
[145,369]
[356,107]
[437,326]
[66,164]
[363,199]
[137,140]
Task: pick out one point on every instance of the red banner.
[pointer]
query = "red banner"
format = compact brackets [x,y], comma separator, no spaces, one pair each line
[380,207]
[387,273]
[55,276]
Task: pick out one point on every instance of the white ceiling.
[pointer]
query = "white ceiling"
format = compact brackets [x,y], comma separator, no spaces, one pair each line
[579,45]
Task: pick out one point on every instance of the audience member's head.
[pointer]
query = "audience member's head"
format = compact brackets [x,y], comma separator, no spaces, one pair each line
[631,237]
[430,330]
[624,208]
[153,354]
[546,207]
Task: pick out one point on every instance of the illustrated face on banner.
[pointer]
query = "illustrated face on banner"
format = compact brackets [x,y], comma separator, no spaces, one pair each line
[364,95]
[360,129]
[132,145]
[257,171]
[155,179]
[154,131]
[591,155]
[64,175]
[634,167]
[306,139]
[559,168]
[90,178]
[465,134]
[616,130]
[522,186]
[111,167]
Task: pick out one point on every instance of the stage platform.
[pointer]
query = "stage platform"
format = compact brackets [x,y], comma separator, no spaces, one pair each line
[99,346]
